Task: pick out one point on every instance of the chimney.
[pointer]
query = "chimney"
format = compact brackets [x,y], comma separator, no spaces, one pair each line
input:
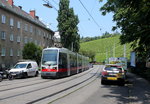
[32,13]
[20,7]
[11,2]
[37,17]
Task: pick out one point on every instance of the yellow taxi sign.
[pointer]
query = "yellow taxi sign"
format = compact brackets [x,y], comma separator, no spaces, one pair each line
[111,78]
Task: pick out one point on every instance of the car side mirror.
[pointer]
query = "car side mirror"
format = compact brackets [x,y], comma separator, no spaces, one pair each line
[29,67]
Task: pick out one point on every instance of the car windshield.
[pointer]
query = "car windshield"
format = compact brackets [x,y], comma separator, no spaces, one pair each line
[49,57]
[112,69]
[20,66]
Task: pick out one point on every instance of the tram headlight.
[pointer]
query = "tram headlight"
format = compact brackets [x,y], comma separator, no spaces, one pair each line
[55,68]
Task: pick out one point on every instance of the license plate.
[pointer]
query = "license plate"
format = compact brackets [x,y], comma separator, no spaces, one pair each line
[13,74]
[4,76]
[111,78]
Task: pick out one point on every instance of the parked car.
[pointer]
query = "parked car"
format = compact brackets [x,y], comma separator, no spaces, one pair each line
[113,73]
[4,74]
[24,69]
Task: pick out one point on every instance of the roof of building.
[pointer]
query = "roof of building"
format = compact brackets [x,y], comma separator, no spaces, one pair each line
[18,11]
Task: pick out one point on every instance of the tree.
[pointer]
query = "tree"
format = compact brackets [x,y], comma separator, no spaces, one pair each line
[67,26]
[91,54]
[32,52]
[133,17]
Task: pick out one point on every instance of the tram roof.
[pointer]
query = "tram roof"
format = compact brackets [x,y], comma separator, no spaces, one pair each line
[64,50]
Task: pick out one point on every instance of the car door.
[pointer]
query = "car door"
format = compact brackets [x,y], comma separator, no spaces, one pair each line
[34,69]
[29,69]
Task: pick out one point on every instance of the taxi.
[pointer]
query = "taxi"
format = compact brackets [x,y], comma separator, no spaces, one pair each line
[113,73]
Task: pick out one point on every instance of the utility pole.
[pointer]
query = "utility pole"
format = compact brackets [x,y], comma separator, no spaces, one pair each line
[106,55]
[72,46]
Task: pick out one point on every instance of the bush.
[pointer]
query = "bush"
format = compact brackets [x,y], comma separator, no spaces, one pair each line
[32,52]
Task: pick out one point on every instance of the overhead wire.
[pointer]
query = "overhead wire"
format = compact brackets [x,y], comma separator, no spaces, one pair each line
[89,14]
[55,2]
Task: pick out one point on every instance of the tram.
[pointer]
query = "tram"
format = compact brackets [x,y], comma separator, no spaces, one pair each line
[61,62]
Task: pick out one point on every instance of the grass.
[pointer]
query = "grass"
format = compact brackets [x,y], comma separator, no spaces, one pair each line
[106,47]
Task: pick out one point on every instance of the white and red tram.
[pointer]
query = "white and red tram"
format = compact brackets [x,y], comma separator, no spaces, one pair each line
[60,62]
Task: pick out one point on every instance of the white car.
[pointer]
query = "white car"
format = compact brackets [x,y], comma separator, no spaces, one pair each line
[24,69]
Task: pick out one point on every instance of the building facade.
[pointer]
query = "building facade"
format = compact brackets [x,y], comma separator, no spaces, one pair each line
[18,28]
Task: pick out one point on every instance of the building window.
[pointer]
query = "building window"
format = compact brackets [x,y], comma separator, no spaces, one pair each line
[43,34]
[25,40]
[18,52]
[31,29]
[11,52]
[3,51]
[3,35]
[18,24]
[47,35]
[39,32]
[11,22]
[11,37]
[26,27]
[50,37]
[36,43]
[3,19]
[31,40]
[18,39]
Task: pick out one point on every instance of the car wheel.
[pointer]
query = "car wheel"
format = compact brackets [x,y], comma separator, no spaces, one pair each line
[25,75]
[37,73]
[10,77]
[103,82]
[122,83]
[43,77]
[1,78]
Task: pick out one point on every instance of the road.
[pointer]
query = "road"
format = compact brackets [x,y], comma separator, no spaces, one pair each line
[82,88]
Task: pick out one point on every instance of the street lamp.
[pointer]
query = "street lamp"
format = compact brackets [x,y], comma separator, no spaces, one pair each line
[47,4]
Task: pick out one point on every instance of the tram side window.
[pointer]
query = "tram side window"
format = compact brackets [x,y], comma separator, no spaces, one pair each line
[80,62]
[71,61]
[62,60]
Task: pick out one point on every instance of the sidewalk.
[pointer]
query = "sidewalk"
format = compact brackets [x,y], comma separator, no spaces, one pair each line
[139,90]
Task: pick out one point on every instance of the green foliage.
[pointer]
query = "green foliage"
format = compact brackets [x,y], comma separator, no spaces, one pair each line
[133,17]
[105,35]
[32,52]
[67,26]
[104,48]
[91,54]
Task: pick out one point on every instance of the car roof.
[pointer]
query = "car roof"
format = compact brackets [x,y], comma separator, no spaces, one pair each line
[26,62]
[114,65]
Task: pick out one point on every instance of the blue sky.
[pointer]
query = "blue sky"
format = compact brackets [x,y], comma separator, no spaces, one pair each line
[87,27]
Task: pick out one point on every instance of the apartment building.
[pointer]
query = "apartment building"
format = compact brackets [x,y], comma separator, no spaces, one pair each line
[17,28]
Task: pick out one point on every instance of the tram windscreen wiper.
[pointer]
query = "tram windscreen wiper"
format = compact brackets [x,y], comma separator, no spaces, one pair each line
[50,63]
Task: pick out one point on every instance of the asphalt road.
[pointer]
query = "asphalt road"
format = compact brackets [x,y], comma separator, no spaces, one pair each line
[82,88]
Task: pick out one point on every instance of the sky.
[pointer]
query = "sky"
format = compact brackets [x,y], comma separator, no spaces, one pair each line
[87,27]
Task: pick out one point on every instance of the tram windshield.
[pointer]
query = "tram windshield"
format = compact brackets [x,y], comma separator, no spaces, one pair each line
[49,57]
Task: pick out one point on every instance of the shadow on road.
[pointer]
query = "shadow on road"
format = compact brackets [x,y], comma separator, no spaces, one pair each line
[135,91]
[119,93]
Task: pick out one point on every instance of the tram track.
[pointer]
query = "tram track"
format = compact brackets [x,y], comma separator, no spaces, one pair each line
[4,98]
[19,82]
[39,82]
[63,90]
